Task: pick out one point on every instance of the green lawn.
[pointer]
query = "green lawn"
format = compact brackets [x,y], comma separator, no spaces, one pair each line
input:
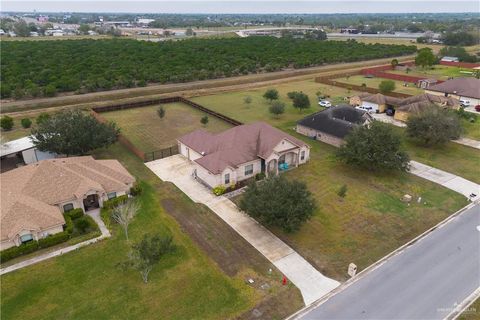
[232,104]
[374,82]
[189,284]
[472,312]
[148,132]
[371,221]
[87,284]
[471,130]
[439,72]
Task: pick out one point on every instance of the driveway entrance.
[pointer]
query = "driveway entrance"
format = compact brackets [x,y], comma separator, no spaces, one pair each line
[311,283]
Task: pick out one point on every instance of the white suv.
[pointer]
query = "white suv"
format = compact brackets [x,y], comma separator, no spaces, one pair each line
[464,103]
[325,103]
[368,109]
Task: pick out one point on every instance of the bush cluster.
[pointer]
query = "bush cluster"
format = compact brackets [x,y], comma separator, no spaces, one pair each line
[110,204]
[74,213]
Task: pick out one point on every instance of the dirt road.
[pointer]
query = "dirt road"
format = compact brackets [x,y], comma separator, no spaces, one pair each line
[190,88]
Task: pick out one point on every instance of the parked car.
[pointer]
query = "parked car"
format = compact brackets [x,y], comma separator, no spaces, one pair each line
[390,112]
[464,103]
[325,103]
[477,107]
[364,108]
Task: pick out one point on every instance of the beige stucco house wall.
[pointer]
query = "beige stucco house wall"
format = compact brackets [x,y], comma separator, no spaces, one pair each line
[320,136]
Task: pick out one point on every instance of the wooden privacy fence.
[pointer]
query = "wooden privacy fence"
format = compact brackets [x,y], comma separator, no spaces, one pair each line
[162,153]
[166,100]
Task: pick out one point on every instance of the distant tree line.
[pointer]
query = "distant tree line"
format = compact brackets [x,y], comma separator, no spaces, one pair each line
[43,68]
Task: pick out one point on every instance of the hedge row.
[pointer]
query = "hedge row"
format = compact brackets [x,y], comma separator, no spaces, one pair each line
[74,213]
[112,203]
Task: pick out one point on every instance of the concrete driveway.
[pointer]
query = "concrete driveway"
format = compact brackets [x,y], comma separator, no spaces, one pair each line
[311,283]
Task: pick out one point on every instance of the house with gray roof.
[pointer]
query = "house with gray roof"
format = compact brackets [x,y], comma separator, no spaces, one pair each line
[333,124]
[241,152]
[458,88]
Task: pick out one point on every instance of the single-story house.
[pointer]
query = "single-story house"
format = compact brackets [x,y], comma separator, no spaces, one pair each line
[20,152]
[241,152]
[378,102]
[33,197]
[425,83]
[458,88]
[416,104]
[450,59]
[333,124]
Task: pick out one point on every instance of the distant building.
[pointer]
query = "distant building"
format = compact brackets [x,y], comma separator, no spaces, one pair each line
[450,59]
[21,152]
[144,22]
[425,83]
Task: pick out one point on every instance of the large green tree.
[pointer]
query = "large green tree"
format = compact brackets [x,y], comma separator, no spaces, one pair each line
[433,126]
[73,132]
[386,86]
[374,147]
[271,94]
[425,58]
[279,202]
[301,101]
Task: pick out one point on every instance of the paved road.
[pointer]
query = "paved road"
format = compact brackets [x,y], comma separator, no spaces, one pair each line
[311,283]
[425,281]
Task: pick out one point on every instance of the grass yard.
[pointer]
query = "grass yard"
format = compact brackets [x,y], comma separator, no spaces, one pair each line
[439,72]
[87,284]
[471,130]
[232,104]
[371,221]
[148,132]
[374,82]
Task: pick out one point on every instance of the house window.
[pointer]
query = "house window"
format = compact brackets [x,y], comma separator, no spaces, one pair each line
[249,169]
[302,155]
[227,178]
[26,238]
[111,195]
[67,207]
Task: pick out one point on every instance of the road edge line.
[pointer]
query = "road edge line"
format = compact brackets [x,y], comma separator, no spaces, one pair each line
[378,263]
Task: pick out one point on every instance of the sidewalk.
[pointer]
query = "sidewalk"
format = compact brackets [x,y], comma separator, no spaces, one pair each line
[311,283]
[468,142]
[446,179]
[95,214]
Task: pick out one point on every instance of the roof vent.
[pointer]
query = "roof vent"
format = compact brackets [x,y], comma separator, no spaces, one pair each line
[203,153]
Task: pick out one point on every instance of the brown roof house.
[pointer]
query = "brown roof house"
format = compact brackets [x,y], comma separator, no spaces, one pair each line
[377,103]
[241,152]
[33,197]
[333,124]
[418,103]
[458,88]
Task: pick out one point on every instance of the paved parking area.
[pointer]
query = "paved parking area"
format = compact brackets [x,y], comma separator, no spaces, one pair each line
[311,283]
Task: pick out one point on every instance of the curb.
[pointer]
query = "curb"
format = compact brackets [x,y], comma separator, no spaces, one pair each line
[378,263]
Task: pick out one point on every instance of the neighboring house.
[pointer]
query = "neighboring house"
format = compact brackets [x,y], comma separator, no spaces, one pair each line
[377,102]
[241,152]
[33,197]
[333,124]
[450,59]
[459,88]
[416,104]
[426,83]
[20,152]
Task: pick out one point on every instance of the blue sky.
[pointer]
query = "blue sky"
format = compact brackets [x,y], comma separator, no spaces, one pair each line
[245,6]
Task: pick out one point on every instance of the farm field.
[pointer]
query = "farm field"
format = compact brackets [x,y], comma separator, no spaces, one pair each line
[439,72]
[374,82]
[232,103]
[184,285]
[144,128]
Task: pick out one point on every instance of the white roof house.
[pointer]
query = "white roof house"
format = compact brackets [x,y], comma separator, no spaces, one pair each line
[449,59]
[19,152]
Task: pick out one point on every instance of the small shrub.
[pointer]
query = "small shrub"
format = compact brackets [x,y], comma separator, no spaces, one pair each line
[68,224]
[82,224]
[219,190]
[161,112]
[136,189]
[50,90]
[106,215]
[271,94]
[260,176]
[277,108]
[292,94]
[112,203]
[6,123]
[42,117]
[204,120]
[386,86]
[342,192]
[26,123]
[247,100]
[53,239]
[74,213]
[14,252]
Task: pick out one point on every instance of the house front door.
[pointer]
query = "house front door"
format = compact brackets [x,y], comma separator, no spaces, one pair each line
[91,202]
